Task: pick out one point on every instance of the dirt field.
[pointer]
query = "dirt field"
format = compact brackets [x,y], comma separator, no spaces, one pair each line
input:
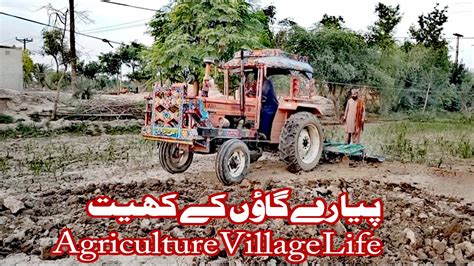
[428,210]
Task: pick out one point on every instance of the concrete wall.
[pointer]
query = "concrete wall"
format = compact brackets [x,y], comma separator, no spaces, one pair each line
[11,68]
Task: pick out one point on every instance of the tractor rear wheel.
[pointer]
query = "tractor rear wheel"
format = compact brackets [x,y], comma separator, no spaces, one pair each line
[174,158]
[301,142]
[232,162]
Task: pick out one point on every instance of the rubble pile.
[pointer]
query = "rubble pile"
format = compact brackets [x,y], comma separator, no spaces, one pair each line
[418,226]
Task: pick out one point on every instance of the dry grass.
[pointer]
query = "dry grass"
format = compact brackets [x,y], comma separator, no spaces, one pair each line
[433,143]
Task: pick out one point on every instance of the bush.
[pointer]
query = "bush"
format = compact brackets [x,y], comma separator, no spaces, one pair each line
[53,78]
[6,119]
[85,88]
[449,100]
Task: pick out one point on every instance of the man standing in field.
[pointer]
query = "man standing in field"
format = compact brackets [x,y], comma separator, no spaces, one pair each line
[354,117]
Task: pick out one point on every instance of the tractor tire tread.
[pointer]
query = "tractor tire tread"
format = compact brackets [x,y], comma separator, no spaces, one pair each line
[289,138]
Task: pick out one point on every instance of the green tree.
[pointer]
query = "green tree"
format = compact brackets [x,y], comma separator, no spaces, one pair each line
[88,70]
[110,63]
[54,46]
[267,18]
[39,73]
[459,74]
[191,30]
[463,84]
[332,21]
[465,91]
[430,28]
[132,55]
[281,37]
[28,67]
[422,80]
[338,57]
[381,33]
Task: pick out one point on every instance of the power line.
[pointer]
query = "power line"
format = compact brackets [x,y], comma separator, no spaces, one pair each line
[114,26]
[447,38]
[395,37]
[126,5]
[56,27]
[7,40]
[374,87]
[118,28]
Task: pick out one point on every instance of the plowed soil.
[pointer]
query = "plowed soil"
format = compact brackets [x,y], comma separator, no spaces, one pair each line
[428,211]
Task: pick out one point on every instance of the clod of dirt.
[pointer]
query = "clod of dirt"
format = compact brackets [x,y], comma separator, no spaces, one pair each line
[410,235]
[439,246]
[422,215]
[19,236]
[322,191]
[468,248]
[46,244]
[13,204]
[455,238]
[407,213]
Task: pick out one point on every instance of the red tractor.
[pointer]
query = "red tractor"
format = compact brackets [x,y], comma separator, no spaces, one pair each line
[261,100]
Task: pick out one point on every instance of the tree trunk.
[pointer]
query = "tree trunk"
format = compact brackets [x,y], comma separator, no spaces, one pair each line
[118,84]
[57,64]
[335,99]
[58,89]
[72,40]
[426,97]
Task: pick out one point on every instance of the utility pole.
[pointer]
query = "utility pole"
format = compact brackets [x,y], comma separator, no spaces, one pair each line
[457,45]
[72,40]
[24,41]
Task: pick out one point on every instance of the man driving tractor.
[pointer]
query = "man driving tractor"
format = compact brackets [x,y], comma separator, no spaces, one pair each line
[269,107]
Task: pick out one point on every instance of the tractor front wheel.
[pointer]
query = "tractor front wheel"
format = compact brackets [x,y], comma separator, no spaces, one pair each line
[175,158]
[301,142]
[232,162]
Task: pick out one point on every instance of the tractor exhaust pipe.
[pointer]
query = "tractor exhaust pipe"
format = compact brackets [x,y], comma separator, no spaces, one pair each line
[242,85]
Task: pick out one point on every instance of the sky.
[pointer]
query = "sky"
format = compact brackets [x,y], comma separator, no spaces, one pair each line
[123,24]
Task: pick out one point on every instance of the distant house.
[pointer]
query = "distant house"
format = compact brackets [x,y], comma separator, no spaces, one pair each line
[11,68]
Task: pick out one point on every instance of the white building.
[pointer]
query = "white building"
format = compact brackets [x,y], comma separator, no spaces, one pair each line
[11,68]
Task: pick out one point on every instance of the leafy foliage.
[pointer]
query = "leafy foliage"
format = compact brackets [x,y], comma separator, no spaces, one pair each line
[430,28]
[191,30]
[57,80]
[27,67]
[338,56]
[39,73]
[55,46]
[332,21]
[110,63]
[409,76]
[132,55]
[89,70]
[6,119]
[85,88]
[381,32]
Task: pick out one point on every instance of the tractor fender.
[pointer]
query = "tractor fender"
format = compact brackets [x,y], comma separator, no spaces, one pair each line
[293,107]
[285,110]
